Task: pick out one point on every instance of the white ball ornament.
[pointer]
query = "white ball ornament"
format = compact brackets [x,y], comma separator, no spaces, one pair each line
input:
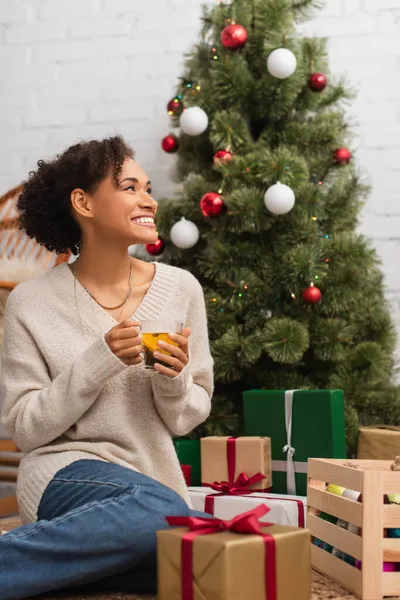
[279,199]
[194,121]
[281,63]
[184,234]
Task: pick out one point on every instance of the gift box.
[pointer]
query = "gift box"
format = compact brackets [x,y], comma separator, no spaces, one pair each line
[233,560]
[283,510]
[379,442]
[243,462]
[301,424]
[188,452]
[187,473]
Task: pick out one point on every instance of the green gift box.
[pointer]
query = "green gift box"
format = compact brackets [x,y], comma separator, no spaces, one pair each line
[188,452]
[302,424]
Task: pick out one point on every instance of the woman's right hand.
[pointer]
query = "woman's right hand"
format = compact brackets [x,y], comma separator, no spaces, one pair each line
[124,341]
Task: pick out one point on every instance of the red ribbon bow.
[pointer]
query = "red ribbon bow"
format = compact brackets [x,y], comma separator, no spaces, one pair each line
[240,486]
[247,522]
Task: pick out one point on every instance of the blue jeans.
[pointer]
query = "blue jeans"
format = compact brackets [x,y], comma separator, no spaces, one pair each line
[97,522]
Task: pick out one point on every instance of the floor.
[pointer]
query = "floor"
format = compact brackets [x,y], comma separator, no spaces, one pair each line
[321,587]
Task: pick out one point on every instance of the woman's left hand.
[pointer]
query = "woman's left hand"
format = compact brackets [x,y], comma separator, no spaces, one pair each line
[179,354]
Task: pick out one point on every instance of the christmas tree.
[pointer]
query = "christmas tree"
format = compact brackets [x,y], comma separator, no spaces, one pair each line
[267,214]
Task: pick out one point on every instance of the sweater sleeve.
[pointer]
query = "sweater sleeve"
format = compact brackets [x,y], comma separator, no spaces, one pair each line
[36,409]
[183,402]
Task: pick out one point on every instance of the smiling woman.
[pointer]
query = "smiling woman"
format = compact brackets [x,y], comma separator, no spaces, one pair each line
[94,425]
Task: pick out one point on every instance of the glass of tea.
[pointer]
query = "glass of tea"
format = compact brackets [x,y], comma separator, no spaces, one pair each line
[152,332]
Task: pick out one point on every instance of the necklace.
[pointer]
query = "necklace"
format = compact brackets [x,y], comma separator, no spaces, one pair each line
[129,292]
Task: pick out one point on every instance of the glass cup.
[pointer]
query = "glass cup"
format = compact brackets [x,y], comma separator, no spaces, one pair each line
[152,332]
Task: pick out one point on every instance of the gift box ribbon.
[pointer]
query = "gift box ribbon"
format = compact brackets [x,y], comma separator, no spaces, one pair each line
[209,504]
[290,466]
[248,523]
[239,487]
[187,473]
[231,487]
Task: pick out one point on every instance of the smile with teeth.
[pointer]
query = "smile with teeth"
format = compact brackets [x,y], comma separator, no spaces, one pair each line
[144,221]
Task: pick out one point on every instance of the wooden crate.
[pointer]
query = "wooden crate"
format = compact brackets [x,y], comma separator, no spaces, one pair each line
[373,479]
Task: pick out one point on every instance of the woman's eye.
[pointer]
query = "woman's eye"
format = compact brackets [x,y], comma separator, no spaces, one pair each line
[149,191]
[131,187]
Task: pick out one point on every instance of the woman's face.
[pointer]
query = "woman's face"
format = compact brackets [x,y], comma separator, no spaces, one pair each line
[123,212]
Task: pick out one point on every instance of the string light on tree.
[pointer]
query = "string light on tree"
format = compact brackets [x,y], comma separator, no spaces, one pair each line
[279,199]
[175,106]
[234,36]
[212,205]
[184,234]
[222,156]
[312,294]
[157,248]
[170,143]
[281,63]
[317,82]
[194,121]
[342,156]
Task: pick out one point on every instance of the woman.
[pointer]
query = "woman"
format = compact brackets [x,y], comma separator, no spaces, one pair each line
[99,472]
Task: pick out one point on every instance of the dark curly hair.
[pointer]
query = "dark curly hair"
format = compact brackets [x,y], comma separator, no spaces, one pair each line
[44,206]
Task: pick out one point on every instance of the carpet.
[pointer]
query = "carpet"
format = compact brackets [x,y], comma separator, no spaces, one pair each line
[322,588]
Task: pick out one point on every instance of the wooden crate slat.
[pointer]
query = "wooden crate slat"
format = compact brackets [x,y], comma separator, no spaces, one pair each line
[348,542]
[372,533]
[391,482]
[391,515]
[337,569]
[391,584]
[335,472]
[343,508]
[391,550]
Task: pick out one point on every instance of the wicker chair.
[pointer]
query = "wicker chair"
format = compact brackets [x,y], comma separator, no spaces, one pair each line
[18,252]
[9,461]
[20,259]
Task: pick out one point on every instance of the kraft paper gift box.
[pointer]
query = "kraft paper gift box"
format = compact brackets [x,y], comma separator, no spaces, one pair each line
[188,452]
[284,510]
[224,459]
[378,442]
[271,565]
[302,424]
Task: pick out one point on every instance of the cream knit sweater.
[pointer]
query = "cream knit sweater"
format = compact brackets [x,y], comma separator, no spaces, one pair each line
[67,397]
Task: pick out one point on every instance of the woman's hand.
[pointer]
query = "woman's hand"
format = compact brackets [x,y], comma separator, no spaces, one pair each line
[179,354]
[124,341]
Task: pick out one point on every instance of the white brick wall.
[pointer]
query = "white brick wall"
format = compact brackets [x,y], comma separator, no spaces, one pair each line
[88,68]
[364,44]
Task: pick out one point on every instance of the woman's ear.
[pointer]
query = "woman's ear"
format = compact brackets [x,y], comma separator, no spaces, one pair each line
[81,203]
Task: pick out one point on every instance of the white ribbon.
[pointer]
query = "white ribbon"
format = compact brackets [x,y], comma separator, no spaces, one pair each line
[281,466]
[288,448]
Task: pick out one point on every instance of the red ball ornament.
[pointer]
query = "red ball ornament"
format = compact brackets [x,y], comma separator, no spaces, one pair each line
[212,205]
[175,107]
[342,156]
[157,248]
[222,156]
[312,295]
[234,36]
[317,82]
[170,143]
